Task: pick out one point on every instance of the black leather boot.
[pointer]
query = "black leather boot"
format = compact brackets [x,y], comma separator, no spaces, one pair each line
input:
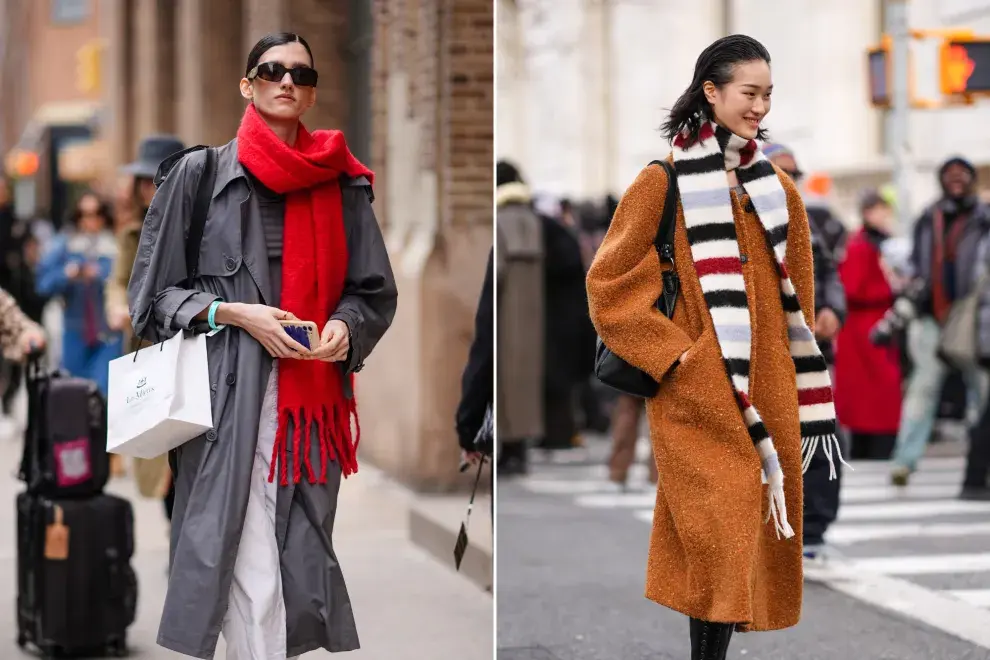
[710,641]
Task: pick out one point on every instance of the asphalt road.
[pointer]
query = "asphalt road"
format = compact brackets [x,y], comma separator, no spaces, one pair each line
[913,582]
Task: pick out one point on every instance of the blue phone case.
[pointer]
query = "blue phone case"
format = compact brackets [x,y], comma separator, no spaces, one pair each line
[298,333]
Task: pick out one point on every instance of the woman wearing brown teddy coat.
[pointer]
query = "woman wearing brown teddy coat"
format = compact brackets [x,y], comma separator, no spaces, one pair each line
[745,396]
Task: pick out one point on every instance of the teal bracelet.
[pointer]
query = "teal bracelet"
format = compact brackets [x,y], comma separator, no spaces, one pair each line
[211,317]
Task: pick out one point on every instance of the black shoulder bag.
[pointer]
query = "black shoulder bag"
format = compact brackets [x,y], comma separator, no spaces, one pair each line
[609,367]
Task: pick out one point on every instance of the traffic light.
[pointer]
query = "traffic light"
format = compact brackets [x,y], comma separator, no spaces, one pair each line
[879,67]
[965,66]
[88,67]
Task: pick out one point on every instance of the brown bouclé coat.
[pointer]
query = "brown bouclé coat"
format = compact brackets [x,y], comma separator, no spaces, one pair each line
[711,555]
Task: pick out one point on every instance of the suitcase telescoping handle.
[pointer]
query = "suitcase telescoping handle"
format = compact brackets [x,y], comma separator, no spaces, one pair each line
[35,375]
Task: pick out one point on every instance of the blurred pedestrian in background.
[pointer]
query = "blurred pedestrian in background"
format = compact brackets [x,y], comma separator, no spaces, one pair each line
[821,485]
[19,335]
[947,237]
[712,557]
[153,477]
[18,259]
[151,152]
[478,383]
[975,485]
[76,268]
[477,380]
[521,303]
[868,377]
[569,349]
[825,224]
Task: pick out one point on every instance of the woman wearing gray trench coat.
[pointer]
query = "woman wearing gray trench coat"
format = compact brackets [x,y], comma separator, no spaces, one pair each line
[231,527]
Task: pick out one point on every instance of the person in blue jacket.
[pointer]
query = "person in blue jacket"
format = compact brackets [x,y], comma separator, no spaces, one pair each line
[75,268]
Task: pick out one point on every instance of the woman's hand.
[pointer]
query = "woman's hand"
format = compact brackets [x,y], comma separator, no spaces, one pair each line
[119,318]
[827,324]
[32,339]
[262,323]
[335,342]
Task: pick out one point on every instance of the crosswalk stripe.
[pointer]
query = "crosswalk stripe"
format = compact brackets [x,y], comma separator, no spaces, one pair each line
[850,492]
[855,479]
[872,509]
[905,507]
[932,464]
[843,534]
[565,486]
[911,509]
[978,597]
[934,608]
[616,500]
[887,492]
[922,564]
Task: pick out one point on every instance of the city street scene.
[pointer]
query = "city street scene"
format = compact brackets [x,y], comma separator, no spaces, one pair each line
[878,111]
[95,95]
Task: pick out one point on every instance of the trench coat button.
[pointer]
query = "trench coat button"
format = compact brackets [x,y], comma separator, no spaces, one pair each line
[231,379]
[229,263]
[743,258]
[211,435]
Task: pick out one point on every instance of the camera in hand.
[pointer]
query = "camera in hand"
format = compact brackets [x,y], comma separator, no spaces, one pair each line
[897,318]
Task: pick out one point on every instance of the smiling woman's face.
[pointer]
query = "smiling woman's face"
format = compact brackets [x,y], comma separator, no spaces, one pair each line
[282,100]
[741,104]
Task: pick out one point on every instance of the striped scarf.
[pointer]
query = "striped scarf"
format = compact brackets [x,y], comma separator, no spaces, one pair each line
[701,168]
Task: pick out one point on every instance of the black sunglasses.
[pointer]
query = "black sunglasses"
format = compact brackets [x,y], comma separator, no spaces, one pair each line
[303,76]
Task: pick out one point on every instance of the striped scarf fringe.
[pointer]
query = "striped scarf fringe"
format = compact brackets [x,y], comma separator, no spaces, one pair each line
[701,168]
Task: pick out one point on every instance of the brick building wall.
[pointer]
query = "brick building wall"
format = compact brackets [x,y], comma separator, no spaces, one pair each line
[39,65]
[432,151]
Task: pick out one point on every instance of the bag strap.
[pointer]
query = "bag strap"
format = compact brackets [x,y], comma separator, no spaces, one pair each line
[201,208]
[664,240]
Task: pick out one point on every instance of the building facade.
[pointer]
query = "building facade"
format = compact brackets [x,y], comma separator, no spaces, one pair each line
[584,86]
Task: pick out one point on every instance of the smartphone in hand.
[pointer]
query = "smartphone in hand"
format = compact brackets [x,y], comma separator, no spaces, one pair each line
[304,332]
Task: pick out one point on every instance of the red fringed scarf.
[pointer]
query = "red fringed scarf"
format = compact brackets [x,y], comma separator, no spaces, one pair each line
[314,263]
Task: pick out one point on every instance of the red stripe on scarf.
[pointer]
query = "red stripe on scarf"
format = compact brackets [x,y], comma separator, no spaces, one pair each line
[314,264]
[719,266]
[814,396]
[747,152]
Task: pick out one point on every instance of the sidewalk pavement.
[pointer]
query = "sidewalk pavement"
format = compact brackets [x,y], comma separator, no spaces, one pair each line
[407,605]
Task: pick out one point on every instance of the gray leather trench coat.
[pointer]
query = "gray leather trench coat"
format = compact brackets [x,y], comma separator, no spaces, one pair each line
[211,487]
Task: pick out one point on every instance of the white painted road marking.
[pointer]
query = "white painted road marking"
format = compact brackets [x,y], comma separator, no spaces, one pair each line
[937,609]
[949,564]
[872,510]
[848,534]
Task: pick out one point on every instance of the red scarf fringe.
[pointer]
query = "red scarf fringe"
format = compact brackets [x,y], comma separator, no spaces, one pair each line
[336,443]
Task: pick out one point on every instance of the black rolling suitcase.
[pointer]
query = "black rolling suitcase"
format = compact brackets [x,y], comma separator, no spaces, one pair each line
[65,446]
[76,590]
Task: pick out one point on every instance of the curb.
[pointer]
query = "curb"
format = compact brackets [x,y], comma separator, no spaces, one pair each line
[437,534]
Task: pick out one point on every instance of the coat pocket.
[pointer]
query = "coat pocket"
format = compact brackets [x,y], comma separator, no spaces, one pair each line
[698,386]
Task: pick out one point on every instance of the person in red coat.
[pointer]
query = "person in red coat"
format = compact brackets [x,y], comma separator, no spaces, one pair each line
[868,377]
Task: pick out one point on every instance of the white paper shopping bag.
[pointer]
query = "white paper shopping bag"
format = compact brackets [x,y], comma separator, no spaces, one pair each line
[159,397]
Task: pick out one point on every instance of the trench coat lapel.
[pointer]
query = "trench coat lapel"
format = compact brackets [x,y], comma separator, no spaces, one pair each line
[255,249]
